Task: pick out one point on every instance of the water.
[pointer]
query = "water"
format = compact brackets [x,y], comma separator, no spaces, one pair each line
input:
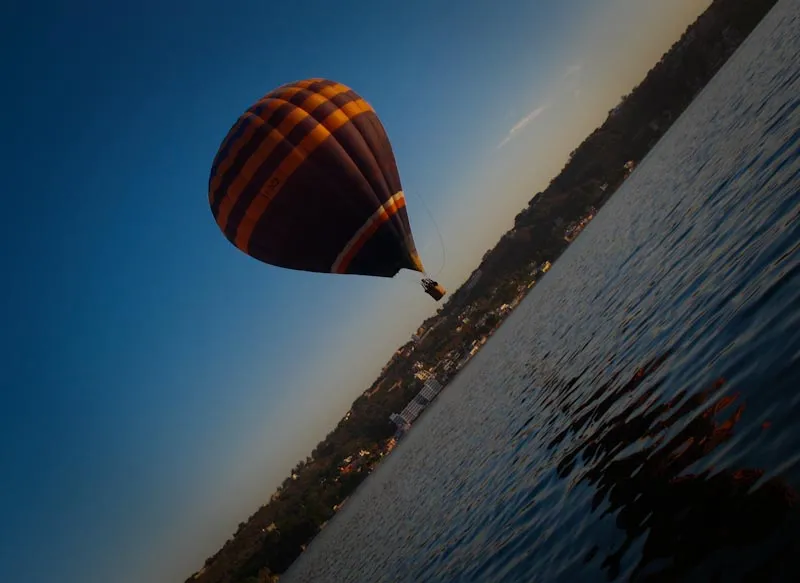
[636,417]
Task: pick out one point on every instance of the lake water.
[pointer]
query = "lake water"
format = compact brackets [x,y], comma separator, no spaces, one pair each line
[638,416]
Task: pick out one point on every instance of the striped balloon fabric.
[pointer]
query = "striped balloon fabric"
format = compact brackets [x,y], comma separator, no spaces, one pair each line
[306,179]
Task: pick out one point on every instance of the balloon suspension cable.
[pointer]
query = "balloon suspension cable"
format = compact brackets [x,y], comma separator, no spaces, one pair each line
[441,239]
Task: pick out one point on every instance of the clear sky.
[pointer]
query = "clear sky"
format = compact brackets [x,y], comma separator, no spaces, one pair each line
[157,384]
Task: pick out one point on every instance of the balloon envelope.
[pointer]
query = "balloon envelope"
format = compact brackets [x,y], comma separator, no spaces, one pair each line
[306,179]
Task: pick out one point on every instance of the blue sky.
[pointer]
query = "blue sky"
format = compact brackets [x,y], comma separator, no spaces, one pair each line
[157,383]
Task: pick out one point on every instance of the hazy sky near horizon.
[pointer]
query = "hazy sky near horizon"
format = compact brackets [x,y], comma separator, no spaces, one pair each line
[157,383]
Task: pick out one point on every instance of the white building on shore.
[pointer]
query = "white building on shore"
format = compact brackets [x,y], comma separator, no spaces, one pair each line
[417,405]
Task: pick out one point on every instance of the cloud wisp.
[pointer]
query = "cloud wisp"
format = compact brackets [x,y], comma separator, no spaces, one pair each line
[569,82]
[522,123]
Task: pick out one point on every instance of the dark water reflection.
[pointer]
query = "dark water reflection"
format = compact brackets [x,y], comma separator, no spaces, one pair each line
[685,517]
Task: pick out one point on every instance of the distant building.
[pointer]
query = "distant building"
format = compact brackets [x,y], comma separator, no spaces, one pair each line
[504,309]
[423,375]
[412,411]
[398,420]
[431,388]
[446,365]
[415,407]
[390,444]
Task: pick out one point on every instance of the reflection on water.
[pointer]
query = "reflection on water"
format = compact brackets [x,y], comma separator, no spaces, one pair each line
[684,516]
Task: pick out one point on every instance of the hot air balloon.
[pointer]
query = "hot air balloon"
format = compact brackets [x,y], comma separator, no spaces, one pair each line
[306,179]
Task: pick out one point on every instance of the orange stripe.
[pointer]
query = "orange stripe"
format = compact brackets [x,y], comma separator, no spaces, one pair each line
[265,148]
[273,102]
[378,218]
[273,99]
[247,134]
[292,162]
[276,135]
